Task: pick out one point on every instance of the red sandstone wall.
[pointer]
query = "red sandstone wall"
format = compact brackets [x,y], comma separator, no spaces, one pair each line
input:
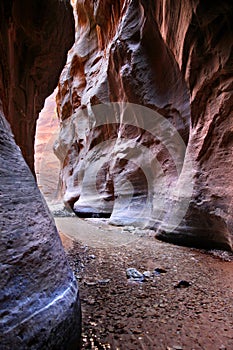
[175,58]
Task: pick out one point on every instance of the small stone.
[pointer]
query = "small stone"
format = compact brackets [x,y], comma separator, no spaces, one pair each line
[162,305]
[104,281]
[92,256]
[147,274]
[90,283]
[111,329]
[182,284]
[135,331]
[129,228]
[159,270]
[134,274]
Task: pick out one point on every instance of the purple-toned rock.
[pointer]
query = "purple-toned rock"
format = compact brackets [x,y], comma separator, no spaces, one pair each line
[39,299]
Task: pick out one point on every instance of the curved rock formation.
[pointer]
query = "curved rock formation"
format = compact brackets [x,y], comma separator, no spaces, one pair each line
[204,51]
[176,59]
[39,302]
[113,60]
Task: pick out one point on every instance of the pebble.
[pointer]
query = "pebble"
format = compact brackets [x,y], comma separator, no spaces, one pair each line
[136,330]
[147,274]
[182,284]
[90,283]
[92,256]
[134,274]
[159,270]
[129,228]
[90,301]
[104,281]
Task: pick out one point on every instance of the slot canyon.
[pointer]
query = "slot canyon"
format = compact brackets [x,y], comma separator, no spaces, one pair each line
[116,196]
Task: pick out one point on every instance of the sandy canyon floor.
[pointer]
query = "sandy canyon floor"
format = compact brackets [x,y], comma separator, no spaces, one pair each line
[159,313]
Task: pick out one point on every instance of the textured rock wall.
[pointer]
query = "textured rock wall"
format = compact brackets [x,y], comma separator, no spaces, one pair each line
[112,60]
[203,49]
[39,302]
[34,35]
[176,59]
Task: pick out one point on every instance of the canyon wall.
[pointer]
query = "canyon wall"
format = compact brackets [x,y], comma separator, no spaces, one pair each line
[203,47]
[35,38]
[39,300]
[145,105]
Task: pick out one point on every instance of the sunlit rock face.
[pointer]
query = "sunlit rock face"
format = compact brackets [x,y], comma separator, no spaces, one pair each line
[47,166]
[113,61]
[39,302]
[176,59]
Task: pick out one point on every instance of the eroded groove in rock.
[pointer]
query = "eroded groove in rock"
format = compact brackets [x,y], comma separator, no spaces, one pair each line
[203,49]
[175,58]
[113,60]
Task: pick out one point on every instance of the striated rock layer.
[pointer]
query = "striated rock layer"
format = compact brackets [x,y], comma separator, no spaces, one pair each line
[203,49]
[39,301]
[129,163]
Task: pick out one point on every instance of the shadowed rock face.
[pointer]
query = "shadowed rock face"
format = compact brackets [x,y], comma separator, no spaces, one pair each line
[203,49]
[175,58]
[39,302]
[35,38]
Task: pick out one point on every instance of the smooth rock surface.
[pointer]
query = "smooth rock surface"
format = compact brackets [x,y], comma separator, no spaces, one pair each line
[39,299]
[113,158]
[39,302]
[176,59]
[203,50]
